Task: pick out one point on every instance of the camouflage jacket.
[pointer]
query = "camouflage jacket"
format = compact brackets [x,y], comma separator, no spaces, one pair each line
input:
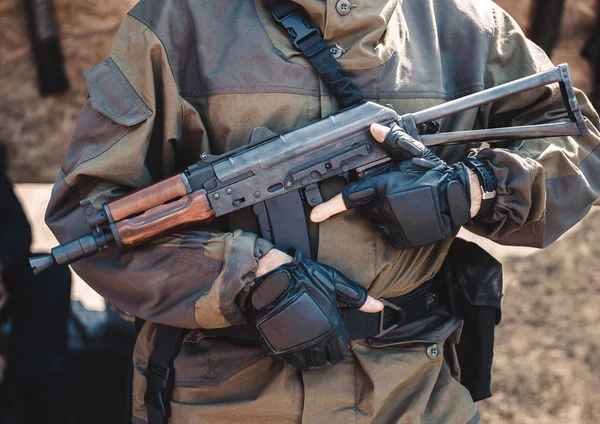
[190,76]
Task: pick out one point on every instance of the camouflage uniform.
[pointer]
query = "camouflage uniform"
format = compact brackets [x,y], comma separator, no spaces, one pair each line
[191,76]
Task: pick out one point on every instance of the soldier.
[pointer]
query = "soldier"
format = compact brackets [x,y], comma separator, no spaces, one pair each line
[187,77]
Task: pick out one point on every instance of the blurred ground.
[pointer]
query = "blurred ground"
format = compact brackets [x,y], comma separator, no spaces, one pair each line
[547,357]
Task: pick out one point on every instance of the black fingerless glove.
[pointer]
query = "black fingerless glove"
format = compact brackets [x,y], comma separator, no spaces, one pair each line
[295,308]
[417,201]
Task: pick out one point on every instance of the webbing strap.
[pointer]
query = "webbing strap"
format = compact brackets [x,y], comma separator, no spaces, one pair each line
[160,374]
[311,43]
[398,312]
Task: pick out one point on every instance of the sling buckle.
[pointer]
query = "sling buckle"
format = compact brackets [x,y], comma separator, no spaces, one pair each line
[159,381]
[298,26]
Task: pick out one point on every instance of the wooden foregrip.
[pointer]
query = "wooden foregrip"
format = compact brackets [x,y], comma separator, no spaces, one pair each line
[191,209]
[147,197]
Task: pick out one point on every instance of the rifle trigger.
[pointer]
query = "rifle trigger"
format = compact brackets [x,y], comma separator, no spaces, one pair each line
[313,194]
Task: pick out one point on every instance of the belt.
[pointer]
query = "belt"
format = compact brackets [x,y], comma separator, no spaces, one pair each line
[397,312]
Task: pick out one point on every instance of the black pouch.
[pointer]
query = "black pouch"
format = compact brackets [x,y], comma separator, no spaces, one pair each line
[474,279]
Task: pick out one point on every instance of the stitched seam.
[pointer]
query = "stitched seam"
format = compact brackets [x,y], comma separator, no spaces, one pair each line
[161,42]
[368,94]
[227,374]
[218,267]
[129,129]
[248,90]
[418,93]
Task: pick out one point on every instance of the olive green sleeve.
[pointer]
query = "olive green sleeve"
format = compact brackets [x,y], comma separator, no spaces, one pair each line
[546,185]
[136,129]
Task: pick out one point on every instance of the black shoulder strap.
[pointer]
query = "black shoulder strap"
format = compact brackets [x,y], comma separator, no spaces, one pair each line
[311,43]
[160,374]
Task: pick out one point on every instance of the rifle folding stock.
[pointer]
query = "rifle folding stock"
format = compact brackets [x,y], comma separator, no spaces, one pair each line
[276,174]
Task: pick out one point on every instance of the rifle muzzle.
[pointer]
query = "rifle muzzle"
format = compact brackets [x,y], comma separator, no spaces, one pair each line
[70,252]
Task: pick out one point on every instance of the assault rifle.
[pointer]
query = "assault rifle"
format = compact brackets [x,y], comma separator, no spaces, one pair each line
[275,174]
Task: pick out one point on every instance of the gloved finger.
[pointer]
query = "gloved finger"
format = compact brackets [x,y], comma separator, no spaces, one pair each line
[337,349]
[323,211]
[400,145]
[360,192]
[349,292]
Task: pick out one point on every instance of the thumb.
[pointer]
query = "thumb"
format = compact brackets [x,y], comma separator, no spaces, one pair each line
[372,305]
[379,132]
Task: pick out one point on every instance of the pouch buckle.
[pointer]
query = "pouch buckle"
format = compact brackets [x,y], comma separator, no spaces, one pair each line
[397,310]
[296,24]
[158,380]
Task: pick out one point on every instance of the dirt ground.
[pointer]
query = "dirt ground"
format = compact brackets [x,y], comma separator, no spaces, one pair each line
[547,359]
[547,355]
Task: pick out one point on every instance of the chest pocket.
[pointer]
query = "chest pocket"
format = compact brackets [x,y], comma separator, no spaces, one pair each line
[112,110]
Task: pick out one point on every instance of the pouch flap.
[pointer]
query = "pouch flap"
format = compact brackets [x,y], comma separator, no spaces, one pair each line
[477,274]
[206,361]
[112,95]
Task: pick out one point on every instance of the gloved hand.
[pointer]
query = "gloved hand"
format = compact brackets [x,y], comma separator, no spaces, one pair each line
[295,308]
[416,201]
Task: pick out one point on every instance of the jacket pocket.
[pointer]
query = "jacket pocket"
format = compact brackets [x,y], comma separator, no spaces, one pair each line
[413,370]
[206,361]
[112,110]
[436,336]
[113,96]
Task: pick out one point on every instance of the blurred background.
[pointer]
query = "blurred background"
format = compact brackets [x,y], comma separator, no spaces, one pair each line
[547,354]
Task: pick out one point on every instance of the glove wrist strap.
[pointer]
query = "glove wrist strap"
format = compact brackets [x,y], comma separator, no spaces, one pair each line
[487,182]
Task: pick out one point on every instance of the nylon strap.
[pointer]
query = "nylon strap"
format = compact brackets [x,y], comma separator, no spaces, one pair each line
[160,374]
[398,311]
[311,43]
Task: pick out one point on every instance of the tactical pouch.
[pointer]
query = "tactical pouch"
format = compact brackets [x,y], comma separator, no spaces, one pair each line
[474,281]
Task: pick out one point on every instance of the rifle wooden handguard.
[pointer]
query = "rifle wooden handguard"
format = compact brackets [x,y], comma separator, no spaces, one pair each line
[147,197]
[190,209]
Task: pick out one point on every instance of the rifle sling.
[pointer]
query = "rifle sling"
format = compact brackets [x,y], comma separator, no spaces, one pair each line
[310,42]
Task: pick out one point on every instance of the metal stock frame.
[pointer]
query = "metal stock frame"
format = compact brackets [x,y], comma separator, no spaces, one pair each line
[559,74]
